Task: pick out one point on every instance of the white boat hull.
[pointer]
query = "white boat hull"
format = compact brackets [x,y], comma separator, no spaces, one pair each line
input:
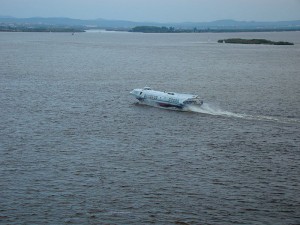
[166,99]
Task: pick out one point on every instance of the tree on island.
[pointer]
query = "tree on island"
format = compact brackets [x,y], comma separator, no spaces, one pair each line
[253,41]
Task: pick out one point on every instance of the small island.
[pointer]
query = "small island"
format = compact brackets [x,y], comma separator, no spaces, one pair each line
[253,41]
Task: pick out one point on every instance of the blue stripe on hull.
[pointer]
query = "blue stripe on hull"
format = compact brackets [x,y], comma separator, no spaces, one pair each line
[161,104]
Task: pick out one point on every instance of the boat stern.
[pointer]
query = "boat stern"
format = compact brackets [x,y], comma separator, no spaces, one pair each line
[193,101]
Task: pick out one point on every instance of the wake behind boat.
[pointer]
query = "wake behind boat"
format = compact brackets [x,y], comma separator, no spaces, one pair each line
[166,99]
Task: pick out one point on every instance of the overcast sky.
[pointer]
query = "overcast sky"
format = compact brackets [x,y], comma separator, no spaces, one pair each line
[156,10]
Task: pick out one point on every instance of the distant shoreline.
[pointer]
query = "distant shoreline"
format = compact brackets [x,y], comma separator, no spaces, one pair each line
[40,29]
[81,30]
[64,24]
[155,29]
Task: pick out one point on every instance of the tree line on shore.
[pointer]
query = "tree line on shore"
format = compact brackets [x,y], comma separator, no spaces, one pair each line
[142,29]
[156,29]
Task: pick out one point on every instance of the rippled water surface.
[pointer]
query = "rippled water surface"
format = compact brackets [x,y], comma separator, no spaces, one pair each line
[76,148]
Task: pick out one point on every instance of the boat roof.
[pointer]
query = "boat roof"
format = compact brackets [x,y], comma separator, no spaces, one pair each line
[170,94]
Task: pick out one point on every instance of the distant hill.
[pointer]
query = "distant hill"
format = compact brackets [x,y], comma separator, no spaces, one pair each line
[62,21]
[122,24]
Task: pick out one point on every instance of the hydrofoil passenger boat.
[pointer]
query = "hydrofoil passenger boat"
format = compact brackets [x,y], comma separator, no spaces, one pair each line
[166,99]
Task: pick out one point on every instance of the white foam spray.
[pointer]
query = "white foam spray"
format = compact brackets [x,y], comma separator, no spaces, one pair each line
[212,109]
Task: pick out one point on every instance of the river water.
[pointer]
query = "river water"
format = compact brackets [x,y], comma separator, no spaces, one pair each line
[76,148]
